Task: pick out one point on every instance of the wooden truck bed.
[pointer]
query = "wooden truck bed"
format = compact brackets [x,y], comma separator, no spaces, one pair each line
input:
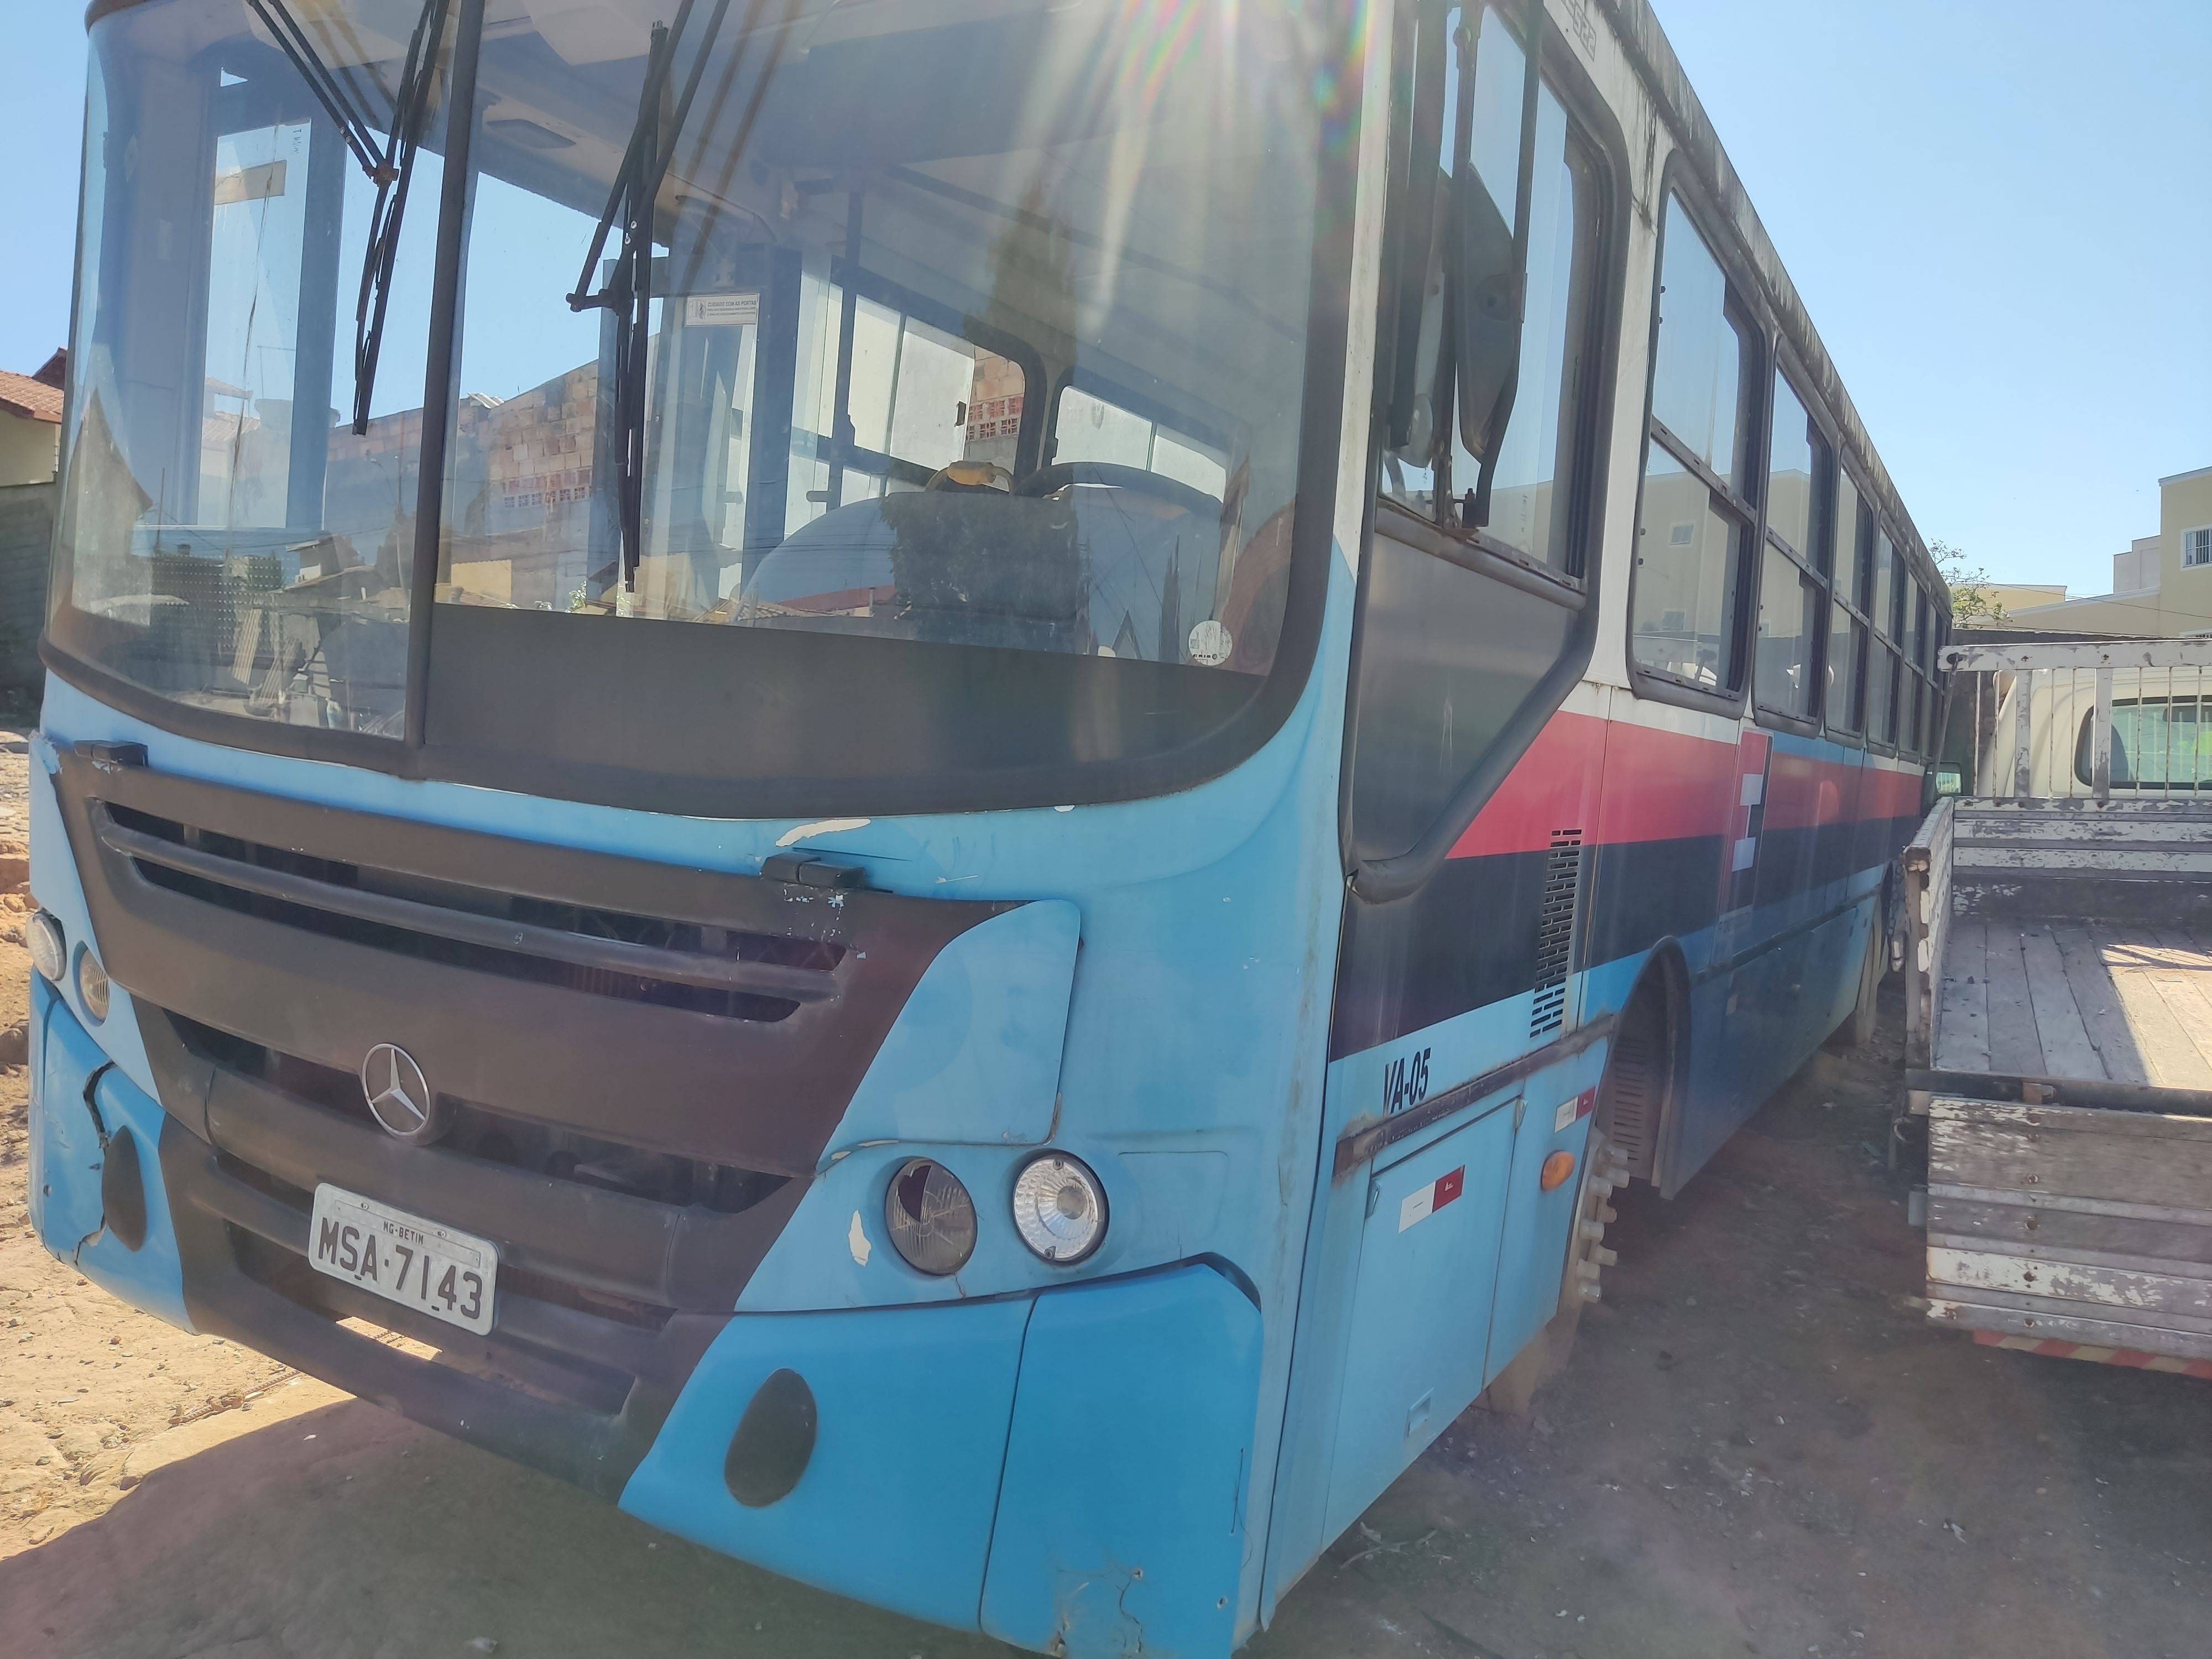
[2077,1000]
[2059,1044]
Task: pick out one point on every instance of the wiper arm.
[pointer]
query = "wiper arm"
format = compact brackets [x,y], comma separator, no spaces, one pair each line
[323,81]
[388,163]
[410,114]
[627,291]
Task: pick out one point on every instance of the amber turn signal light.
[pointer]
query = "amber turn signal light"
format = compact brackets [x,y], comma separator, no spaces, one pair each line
[1557,1168]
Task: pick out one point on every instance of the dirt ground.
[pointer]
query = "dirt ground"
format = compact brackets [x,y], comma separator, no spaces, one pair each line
[1760,1448]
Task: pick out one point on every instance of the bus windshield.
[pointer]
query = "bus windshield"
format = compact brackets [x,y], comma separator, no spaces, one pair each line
[942,328]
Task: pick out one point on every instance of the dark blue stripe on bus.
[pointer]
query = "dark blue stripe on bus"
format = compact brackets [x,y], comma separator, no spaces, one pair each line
[1469,938]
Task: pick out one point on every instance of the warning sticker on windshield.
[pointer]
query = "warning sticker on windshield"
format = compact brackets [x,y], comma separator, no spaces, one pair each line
[1210,644]
[721,310]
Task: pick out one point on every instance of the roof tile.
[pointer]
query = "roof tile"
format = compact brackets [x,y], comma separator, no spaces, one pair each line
[29,399]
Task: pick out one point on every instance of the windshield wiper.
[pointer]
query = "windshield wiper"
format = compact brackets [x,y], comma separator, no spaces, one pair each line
[389,164]
[627,291]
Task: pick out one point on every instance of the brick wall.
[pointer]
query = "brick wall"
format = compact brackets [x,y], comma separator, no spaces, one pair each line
[27,533]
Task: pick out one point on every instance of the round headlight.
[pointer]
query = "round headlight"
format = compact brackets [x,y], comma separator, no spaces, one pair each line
[92,984]
[49,945]
[1059,1209]
[931,1217]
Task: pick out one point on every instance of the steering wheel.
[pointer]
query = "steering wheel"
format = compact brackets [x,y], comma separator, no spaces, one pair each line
[1047,480]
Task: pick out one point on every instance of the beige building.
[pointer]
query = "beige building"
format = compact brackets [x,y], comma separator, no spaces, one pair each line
[31,424]
[2014,597]
[2161,586]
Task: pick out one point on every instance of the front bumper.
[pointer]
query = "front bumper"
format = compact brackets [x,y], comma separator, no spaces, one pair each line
[1065,1470]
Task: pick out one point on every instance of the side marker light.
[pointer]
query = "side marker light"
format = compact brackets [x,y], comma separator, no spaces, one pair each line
[1557,1168]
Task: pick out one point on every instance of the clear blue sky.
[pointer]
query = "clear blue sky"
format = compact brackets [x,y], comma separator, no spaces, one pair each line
[1997,211]
[41,133]
[1999,214]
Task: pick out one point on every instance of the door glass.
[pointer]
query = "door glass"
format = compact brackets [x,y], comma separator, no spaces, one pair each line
[1538,437]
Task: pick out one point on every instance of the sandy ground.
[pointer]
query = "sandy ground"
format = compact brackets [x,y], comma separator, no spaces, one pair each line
[1760,1448]
[88,1388]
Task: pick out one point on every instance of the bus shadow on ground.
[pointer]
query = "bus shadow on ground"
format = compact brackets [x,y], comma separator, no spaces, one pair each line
[346,1531]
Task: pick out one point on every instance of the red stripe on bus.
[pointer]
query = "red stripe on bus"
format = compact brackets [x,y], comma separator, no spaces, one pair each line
[1657,785]
[1549,790]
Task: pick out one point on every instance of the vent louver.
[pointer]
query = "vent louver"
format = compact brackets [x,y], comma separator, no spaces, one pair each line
[1555,931]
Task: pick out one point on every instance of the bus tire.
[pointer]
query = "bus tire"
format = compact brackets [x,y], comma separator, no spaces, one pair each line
[1513,1390]
[1858,1027]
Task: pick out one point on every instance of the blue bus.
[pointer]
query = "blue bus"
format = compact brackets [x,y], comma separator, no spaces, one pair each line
[949,777]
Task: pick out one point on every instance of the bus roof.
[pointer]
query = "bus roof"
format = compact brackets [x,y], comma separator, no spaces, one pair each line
[1652,56]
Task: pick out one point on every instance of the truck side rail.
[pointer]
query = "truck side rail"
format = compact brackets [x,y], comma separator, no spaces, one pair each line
[1927,923]
[2041,717]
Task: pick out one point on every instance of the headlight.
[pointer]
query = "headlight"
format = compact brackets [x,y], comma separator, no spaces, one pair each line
[92,984]
[931,1217]
[1059,1209]
[49,945]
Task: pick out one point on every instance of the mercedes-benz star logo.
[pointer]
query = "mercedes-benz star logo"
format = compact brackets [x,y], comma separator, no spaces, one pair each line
[399,1096]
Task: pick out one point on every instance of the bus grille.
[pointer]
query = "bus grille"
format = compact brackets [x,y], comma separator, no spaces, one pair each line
[704,968]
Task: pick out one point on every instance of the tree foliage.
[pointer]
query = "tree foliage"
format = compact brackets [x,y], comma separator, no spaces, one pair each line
[1972,603]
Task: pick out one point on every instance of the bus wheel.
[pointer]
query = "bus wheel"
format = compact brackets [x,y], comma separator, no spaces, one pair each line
[1603,1172]
[1513,1389]
[1858,1029]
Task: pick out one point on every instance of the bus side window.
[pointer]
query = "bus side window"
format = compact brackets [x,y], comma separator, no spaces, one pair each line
[1884,690]
[1845,711]
[1791,591]
[1696,526]
[1090,428]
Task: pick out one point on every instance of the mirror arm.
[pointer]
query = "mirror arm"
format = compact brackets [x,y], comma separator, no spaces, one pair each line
[1477,511]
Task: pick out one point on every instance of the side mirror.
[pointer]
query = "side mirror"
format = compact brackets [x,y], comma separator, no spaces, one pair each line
[1485,306]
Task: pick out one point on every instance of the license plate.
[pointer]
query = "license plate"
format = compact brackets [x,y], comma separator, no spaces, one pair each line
[417,1263]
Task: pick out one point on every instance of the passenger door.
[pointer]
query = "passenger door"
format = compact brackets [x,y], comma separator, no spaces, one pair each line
[1467,789]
